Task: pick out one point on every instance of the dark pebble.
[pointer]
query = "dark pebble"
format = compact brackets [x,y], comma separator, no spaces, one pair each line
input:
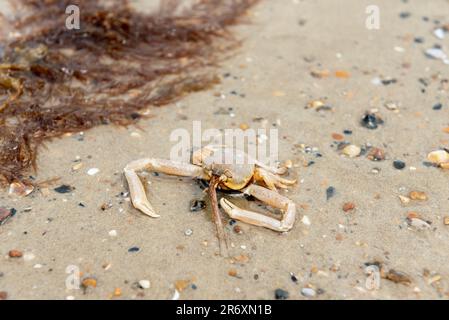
[320,291]
[194,287]
[133,249]
[404,15]
[347,132]
[386,82]
[398,164]
[280,294]
[438,106]
[371,121]
[249,197]
[63,189]
[419,40]
[293,278]
[330,192]
[197,205]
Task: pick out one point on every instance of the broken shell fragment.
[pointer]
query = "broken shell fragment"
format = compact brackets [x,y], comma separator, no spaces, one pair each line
[398,277]
[418,223]
[20,189]
[404,199]
[376,154]
[315,104]
[418,195]
[351,151]
[438,157]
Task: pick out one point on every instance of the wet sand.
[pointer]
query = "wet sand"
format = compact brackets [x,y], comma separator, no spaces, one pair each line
[283,44]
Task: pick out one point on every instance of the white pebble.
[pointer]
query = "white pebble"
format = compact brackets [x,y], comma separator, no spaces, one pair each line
[93,171]
[176,295]
[436,53]
[439,33]
[352,151]
[113,233]
[308,292]
[144,284]
[305,220]
[188,232]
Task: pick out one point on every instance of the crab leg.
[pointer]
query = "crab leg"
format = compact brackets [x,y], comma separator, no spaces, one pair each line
[272,180]
[136,189]
[269,197]
[222,240]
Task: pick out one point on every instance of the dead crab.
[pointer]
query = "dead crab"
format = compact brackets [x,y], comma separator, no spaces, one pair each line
[207,164]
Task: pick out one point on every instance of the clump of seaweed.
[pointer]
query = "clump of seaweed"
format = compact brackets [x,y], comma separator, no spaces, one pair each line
[55,80]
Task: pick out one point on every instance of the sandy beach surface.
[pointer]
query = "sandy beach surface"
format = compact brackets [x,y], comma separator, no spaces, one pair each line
[293,52]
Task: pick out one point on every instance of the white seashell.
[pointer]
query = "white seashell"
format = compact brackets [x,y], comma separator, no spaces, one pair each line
[176,295]
[308,292]
[305,220]
[419,224]
[93,171]
[144,284]
[438,157]
[351,151]
[436,53]
[439,33]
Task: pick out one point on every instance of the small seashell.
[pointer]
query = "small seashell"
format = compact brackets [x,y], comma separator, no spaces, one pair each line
[446,220]
[77,166]
[308,292]
[15,254]
[20,189]
[315,104]
[305,220]
[438,157]
[28,256]
[439,33]
[398,277]
[376,154]
[404,199]
[418,223]
[89,282]
[392,106]
[144,284]
[351,151]
[371,120]
[93,171]
[436,53]
[418,195]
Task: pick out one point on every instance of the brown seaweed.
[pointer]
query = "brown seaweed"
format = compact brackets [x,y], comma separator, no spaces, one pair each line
[54,80]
